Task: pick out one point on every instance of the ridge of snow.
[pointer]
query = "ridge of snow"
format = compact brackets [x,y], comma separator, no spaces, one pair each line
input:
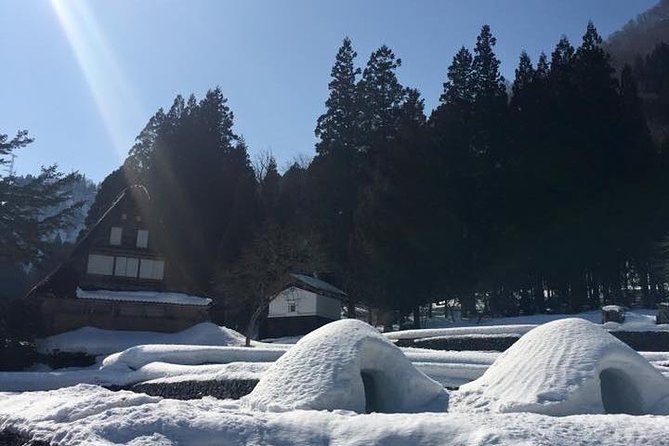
[141,355]
[500,330]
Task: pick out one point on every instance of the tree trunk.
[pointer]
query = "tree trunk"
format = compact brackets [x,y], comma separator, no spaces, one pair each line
[350,309]
[539,299]
[416,317]
[468,305]
[645,287]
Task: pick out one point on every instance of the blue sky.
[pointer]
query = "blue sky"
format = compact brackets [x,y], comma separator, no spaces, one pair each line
[84,77]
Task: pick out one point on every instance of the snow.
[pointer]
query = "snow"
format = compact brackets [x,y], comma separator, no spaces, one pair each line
[318,284]
[636,321]
[195,362]
[90,415]
[171,373]
[144,296]
[153,372]
[568,367]
[345,365]
[440,328]
[96,341]
[497,330]
[314,393]
[613,308]
[138,356]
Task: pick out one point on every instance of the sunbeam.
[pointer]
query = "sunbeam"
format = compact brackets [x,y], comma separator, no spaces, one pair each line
[117,104]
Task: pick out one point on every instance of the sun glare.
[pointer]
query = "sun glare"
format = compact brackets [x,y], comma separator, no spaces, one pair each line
[117,104]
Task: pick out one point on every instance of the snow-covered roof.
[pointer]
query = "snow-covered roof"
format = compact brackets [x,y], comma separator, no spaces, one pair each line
[346,365]
[568,367]
[143,296]
[318,284]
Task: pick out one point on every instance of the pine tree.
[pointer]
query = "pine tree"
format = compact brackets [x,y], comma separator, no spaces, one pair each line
[26,224]
[380,96]
[525,75]
[459,89]
[334,177]
[542,71]
[487,80]
[140,153]
[337,128]
[202,185]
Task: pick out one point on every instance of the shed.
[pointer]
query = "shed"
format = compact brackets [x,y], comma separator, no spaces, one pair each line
[305,304]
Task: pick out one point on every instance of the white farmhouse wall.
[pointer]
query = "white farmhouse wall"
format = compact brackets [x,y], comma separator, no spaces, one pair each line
[306,302]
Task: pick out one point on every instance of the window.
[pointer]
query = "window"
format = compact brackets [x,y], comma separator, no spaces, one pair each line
[119,267]
[115,236]
[99,264]
[132,267]
[142,238]
[292,308]
[151,269]
[126,267]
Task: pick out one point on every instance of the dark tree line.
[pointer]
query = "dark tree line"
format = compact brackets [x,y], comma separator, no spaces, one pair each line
[547,193]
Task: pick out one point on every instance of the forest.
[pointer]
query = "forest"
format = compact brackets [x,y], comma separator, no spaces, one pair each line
[545,193]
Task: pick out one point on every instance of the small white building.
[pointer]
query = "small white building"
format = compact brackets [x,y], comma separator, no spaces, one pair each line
[304,305]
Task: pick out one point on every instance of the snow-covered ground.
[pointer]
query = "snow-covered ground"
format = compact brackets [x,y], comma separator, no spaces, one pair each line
[209,352]
[90,415]
[558,362]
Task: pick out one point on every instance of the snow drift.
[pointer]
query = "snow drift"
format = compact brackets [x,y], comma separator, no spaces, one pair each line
[346,365]
[97,341]
[568,367]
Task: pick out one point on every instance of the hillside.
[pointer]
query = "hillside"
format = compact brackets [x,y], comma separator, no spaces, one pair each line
[640,35]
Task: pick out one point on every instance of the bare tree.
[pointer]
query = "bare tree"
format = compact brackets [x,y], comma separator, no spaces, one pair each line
[264,267]
[261,164]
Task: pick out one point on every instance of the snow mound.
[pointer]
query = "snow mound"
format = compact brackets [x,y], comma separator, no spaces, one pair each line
[96,341]
[568,367]
[346,365]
